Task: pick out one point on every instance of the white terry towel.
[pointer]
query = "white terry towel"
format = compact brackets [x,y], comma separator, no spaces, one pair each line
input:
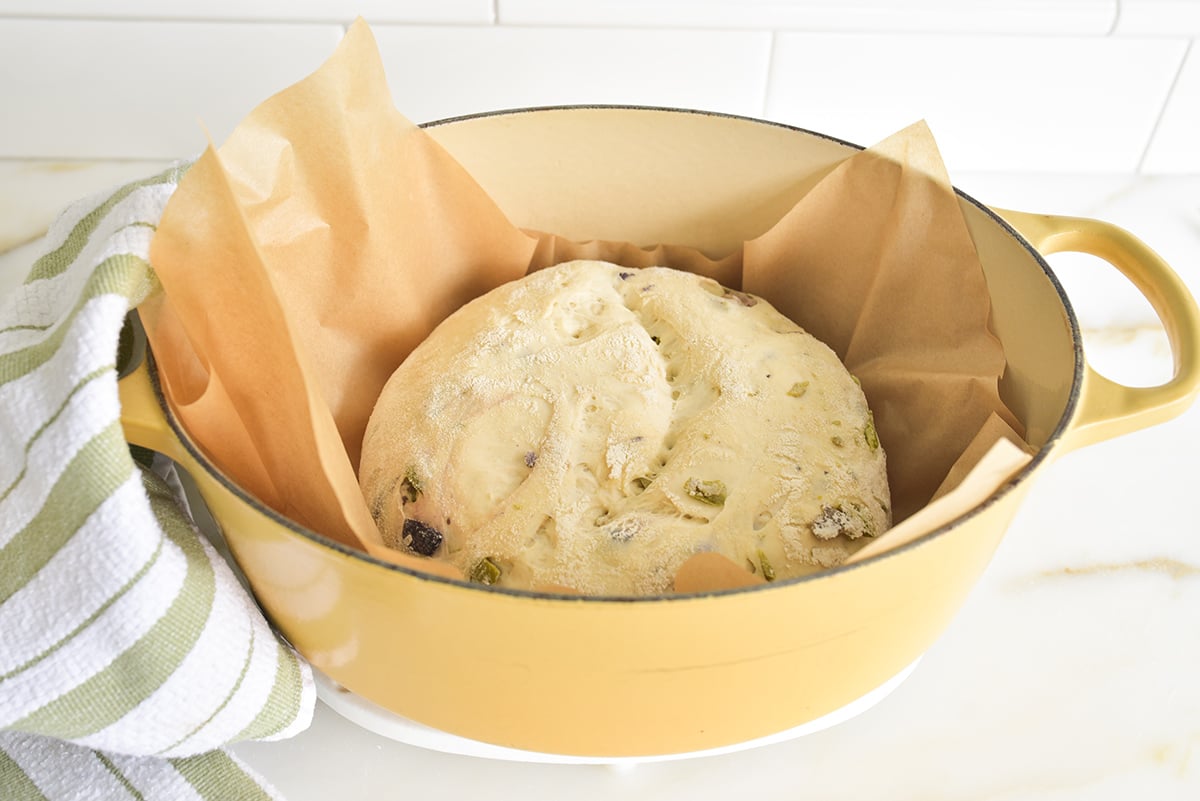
[129,652]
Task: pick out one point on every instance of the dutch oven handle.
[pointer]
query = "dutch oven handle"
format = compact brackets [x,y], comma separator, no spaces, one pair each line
[1107,408]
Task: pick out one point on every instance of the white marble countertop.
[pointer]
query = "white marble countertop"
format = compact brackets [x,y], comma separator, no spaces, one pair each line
[1070,673]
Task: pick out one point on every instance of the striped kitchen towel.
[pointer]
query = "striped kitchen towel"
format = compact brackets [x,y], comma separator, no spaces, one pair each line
[129,653]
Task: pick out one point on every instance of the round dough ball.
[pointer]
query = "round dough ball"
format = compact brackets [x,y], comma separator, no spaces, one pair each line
[592,427]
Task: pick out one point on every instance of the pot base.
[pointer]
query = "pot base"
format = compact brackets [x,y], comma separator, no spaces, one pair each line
[378,720]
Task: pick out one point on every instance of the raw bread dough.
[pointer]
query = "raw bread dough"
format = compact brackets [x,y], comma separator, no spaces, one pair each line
[592,427]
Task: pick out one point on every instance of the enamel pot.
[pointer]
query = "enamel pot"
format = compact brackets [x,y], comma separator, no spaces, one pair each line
[605,677]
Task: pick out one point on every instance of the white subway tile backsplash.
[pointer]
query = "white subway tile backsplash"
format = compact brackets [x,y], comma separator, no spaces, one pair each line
[994,103]
[426,11]
[142,89]
[1080,17]
[997,99]
[1176,144]
[1159,17]
[440,72]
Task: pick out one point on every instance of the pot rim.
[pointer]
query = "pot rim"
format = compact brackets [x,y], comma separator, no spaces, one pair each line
[1004,490]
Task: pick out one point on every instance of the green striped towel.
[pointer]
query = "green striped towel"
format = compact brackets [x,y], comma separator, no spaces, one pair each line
[129,653]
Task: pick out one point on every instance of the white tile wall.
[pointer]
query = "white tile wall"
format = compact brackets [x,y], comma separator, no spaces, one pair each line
[925,16]
[442,72]
[1176,144]
[1158,17]
[996,102]
[87,89]
[421,11]
[1064,85]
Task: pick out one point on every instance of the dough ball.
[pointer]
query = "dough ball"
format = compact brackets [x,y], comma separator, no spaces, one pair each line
[592,427]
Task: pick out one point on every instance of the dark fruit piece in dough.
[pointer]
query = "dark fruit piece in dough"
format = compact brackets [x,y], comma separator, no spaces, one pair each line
[421,537]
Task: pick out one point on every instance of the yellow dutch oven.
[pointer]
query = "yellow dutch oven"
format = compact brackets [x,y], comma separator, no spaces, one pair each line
[656,676]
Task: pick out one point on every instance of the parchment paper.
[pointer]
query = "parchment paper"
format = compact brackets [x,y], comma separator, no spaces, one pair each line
[304,259]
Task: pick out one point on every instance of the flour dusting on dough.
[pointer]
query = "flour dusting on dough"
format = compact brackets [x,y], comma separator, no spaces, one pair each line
[582,429]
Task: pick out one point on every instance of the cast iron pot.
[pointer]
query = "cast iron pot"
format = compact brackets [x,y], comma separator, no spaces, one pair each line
[607,677]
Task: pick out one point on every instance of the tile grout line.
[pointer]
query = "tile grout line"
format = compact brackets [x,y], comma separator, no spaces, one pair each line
[298,22]
[1163,110]
[495,21]
[143,18]
[766,96]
